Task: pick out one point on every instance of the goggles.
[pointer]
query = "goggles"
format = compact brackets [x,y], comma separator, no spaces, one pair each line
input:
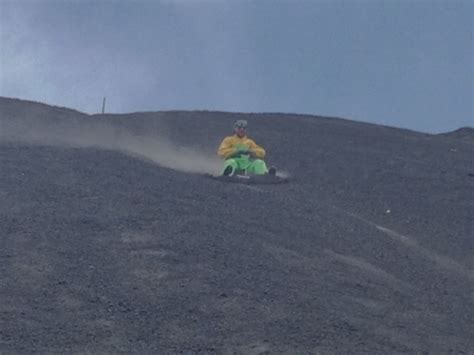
[240,124]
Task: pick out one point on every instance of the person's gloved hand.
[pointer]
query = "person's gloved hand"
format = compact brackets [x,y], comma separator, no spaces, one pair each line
[238,152]
[249,152]
[252,153]
[242,150]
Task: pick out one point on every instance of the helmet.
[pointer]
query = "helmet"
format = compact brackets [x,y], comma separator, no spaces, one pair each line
[240,124]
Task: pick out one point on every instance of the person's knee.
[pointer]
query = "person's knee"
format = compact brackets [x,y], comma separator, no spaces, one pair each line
[231,162]
[259,166]
[230,166]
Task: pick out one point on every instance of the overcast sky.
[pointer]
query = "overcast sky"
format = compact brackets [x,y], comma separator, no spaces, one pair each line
[395,62]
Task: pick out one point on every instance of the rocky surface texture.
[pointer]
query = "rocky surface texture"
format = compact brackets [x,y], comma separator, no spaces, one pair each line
[368,248]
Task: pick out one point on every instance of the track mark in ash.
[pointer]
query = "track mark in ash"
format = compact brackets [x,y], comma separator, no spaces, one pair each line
[441,260]
[368,268]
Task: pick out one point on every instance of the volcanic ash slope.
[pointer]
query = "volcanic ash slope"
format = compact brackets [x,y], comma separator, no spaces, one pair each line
[113,240]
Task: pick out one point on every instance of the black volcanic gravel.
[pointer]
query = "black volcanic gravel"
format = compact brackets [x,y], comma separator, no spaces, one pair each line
[368,249]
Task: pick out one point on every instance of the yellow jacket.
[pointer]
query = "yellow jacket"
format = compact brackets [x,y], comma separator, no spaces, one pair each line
[230,145]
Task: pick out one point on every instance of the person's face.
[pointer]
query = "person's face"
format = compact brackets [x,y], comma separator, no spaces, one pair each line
[240,131]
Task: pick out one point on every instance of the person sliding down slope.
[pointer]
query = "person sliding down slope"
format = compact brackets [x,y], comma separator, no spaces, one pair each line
[242,154]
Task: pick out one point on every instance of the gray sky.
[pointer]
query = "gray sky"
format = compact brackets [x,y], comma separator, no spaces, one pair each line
[395,62]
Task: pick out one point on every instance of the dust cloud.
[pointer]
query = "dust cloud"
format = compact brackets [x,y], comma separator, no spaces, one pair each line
[104,135]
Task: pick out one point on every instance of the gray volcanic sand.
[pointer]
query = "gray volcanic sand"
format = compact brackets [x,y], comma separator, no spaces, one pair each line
[112,239]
